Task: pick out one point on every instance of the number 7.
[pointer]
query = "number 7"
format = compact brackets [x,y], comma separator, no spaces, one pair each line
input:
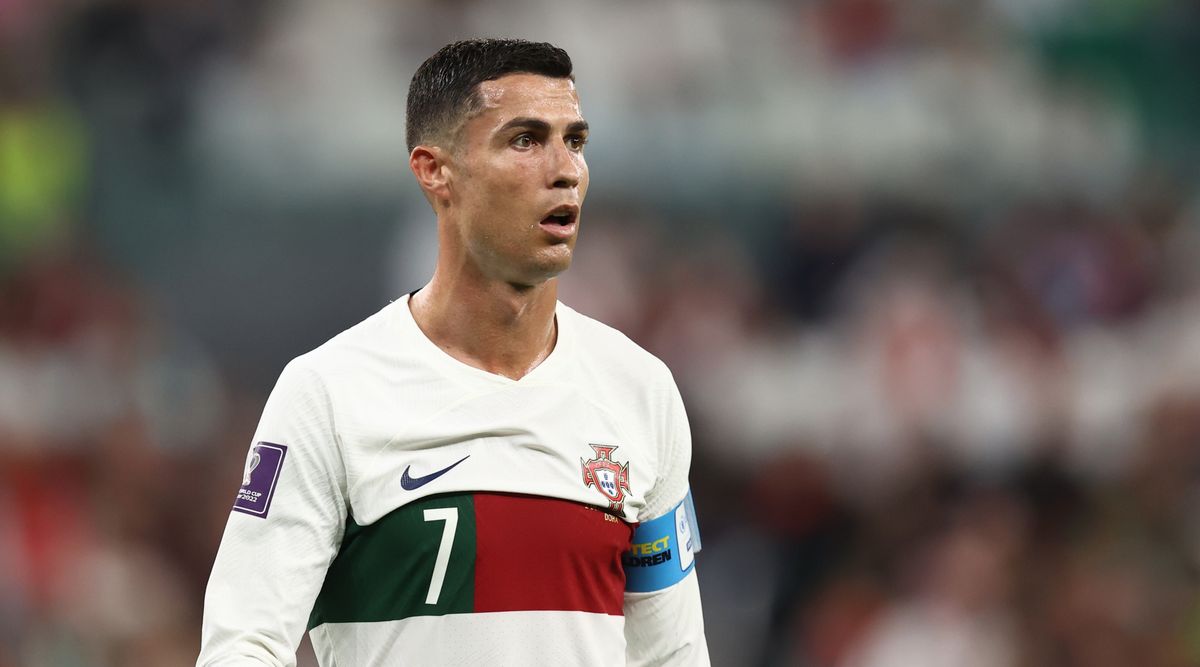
[450,516]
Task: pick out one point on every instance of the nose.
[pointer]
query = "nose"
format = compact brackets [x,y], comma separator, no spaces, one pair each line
[566,166]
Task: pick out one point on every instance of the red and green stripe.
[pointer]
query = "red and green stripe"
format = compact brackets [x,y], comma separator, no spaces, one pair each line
[509,553]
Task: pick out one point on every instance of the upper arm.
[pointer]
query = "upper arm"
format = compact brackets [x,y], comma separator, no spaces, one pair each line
[284,531]
[663,620]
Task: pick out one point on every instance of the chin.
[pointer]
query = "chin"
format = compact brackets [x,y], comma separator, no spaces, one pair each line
[545,268]
[559,263]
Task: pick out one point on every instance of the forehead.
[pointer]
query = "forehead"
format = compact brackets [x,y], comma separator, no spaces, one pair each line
[528,95]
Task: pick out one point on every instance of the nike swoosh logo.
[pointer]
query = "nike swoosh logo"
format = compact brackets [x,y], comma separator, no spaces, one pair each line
[413,483]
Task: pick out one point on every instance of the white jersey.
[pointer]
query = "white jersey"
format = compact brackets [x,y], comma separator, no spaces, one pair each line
[410,509]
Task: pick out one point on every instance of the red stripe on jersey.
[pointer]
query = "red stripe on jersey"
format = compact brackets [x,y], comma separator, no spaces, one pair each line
[534,553]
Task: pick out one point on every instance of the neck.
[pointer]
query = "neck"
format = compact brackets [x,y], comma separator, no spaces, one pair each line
[494,326]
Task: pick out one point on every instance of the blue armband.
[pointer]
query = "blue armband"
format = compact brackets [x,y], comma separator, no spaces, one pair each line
[663,550]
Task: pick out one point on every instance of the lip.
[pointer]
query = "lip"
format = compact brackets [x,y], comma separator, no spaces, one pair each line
[561,231]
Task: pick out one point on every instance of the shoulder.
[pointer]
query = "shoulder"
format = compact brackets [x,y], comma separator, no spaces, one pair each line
[354,351]
[612,352]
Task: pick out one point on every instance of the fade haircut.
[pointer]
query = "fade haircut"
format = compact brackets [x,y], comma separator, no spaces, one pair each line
[444,92]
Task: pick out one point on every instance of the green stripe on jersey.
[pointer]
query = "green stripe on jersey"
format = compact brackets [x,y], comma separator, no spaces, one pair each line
[390,569]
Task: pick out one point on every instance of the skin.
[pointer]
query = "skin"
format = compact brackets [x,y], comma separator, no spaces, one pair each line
[491,300]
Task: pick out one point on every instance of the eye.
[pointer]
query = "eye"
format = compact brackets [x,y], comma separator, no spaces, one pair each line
[576,143]
[523,141]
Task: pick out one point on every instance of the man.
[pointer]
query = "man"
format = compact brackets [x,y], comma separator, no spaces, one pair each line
[477,474]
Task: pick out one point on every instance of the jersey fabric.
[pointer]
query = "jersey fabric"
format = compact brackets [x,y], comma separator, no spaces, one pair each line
[409,509]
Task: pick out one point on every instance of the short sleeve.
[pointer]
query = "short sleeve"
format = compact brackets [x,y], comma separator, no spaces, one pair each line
[283,531]
[674,457]
[664,623]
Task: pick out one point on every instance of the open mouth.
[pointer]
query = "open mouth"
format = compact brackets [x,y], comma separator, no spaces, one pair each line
[561,217]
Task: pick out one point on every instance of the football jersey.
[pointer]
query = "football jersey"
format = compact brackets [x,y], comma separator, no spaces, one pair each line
[409,509]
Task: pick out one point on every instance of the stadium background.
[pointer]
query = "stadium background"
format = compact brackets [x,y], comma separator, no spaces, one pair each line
[927,272]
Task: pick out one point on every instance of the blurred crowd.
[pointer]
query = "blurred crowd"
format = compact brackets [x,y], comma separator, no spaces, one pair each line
[927,273]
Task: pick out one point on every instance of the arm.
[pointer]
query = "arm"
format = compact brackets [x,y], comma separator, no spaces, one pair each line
[664,625]
[283,532]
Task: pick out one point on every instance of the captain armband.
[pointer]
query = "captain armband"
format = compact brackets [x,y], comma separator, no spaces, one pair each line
[663,550]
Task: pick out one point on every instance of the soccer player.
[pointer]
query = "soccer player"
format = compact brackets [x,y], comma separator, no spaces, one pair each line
[476,474]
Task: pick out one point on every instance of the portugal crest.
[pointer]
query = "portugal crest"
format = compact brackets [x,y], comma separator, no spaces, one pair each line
[610,477]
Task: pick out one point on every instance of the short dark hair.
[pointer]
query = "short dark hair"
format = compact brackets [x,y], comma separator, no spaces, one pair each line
[445,89]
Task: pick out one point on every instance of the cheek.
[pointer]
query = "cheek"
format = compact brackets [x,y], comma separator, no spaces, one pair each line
[503,202]
[508,177]
[584,179]
[489,193]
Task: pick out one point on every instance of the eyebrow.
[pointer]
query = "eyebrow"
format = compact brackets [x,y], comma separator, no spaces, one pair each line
[542,126]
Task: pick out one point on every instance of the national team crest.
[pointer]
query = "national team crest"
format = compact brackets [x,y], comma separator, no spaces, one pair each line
[610,477]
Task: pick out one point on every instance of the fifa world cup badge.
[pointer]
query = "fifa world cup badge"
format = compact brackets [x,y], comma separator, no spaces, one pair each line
[259,477]
[609,477]
[251,463]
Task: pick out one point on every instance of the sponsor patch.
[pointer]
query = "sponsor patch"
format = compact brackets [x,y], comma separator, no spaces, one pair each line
[263,464]
[663,550]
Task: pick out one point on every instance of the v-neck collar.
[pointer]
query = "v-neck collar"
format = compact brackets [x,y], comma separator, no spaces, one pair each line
[403,318]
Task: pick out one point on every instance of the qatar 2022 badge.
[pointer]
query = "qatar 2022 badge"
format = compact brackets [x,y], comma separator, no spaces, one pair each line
[259,479]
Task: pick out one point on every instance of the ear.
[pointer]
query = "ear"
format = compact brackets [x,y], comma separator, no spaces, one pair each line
[429,165]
